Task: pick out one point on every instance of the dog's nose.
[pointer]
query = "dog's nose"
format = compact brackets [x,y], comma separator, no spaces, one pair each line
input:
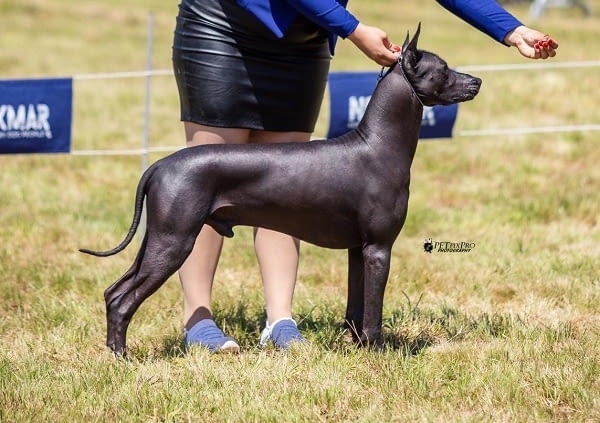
[474,86]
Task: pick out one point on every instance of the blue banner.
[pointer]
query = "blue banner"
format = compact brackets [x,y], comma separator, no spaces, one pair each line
[350,93]
[35,115]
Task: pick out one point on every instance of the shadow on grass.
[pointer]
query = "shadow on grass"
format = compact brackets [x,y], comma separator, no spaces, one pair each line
[332,336]
[323,327]
[408,330]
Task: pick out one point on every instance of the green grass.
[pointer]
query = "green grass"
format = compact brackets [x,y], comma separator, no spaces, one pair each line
[506,332]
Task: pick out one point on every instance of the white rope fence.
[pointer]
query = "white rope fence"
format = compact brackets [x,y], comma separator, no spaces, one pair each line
[126,152]
[123,75]
[530,66]
[463,133]
[467,68]
[530,130]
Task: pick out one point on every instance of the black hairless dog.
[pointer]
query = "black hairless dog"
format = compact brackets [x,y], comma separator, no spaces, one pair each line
[349,192]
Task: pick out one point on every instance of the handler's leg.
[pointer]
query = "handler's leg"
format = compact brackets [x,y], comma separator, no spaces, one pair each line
[277,255]
[198,271]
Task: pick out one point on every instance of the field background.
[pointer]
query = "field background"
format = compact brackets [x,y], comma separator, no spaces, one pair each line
[507,332]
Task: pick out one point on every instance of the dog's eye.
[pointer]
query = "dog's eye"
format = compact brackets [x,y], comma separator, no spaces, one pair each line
[439,75]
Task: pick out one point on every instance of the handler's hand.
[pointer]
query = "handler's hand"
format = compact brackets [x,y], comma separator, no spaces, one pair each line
[375,44]
[531,43]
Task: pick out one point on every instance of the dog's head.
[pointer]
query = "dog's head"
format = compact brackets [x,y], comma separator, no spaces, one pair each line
[433,82]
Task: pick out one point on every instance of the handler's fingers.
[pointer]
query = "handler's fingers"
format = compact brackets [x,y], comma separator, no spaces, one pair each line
[391,53]
[388,55]
[544,51]
[393,47]
[541,53]
[551,47]
[387,58]
[374,43]
[545,47]
[548,52]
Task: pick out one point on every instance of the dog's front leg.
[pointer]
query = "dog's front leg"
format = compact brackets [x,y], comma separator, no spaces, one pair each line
[376,260]
[356,282]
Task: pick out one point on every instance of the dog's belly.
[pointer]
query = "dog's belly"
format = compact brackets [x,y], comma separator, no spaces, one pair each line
[325,229]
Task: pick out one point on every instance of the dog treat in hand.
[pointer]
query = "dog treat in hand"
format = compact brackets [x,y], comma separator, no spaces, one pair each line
[545,43]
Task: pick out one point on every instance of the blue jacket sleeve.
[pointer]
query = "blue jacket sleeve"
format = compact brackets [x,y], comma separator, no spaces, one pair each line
[486,15]
[329,14]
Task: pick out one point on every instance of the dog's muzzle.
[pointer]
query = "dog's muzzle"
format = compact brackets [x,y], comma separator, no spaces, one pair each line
[471,89]
[475,85]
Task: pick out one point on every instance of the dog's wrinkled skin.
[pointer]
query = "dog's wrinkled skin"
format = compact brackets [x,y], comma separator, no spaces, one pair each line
[349,192]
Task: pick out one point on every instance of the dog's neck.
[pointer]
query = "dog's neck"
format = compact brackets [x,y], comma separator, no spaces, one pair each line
[400,66]
[392,120]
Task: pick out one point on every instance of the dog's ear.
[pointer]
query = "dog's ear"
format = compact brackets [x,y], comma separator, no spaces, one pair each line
[409,50]
[412,44]
[406,41]
[415,39]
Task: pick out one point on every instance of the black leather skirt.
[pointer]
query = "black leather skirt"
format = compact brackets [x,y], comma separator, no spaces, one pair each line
[231,71]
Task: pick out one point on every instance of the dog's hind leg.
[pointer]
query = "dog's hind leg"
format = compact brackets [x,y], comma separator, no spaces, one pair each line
[114,293]
[159,258]
[120,286]
[356,283]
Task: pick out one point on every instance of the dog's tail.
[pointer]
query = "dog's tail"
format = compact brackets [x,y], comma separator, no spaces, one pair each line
[137,217]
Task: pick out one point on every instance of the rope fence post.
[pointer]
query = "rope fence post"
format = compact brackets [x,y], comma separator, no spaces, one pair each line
[147,91]
[147,101]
